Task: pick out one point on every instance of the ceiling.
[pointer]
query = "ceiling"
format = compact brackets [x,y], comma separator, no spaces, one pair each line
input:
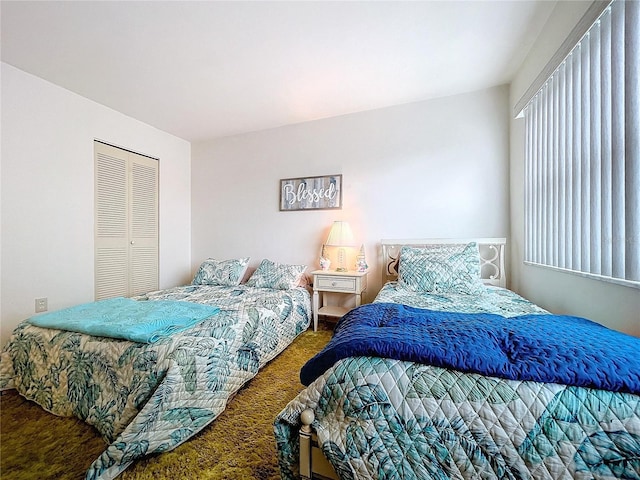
[205,69]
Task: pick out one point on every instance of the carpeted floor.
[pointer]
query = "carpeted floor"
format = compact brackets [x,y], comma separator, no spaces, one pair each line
[239,444]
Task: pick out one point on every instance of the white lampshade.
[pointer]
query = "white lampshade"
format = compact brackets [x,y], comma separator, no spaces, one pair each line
[340,235]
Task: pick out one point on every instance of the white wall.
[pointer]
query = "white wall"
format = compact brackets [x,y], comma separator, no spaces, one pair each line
[48,194]
[437,168]
[615,306]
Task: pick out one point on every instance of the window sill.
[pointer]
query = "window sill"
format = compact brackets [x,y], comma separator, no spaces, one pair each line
[617,281]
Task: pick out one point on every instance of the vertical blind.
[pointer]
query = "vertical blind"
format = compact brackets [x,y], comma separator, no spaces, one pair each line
[582,172]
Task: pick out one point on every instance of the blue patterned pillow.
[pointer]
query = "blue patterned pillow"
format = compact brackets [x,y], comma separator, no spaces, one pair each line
[221,272]
[275,275]
[441,269]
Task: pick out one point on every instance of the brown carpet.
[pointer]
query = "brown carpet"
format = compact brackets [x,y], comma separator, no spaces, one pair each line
[239,444]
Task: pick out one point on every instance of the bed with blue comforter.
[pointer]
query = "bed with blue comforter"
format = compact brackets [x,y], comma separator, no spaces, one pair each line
[150,395]
[437,384]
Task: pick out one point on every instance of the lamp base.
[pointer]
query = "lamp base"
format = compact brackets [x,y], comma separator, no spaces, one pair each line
[341,260]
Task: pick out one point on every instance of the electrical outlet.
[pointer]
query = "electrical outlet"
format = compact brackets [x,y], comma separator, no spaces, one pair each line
[41,305]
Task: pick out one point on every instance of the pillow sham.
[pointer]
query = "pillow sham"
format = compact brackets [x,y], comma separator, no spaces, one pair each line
[276,275]
[441,269]
[221,272]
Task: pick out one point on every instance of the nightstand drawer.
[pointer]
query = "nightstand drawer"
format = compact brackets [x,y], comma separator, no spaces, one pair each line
[335,283]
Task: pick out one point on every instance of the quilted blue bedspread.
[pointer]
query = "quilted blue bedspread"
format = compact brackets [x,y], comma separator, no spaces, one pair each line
[137,321]
[382,418]
[542,348]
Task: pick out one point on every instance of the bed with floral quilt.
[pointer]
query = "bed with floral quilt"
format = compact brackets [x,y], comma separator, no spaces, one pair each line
[443,376]
[149,397]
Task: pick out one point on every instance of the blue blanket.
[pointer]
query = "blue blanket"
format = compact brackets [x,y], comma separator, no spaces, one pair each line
[138,321]
[541,348]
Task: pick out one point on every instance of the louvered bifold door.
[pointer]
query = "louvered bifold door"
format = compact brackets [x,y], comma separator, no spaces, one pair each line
[112,223]
[126,227]
[143,238]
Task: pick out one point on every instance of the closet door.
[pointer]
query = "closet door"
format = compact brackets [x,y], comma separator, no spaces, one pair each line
[143,227]
[126,228]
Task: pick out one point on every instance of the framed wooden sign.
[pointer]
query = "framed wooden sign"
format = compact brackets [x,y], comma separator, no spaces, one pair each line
[311,193]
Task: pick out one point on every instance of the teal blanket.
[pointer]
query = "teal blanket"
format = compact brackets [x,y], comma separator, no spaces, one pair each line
[137,321]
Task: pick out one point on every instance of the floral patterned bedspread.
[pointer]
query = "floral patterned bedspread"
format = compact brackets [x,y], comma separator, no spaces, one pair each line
[149,398]
[496,300]
[378,418]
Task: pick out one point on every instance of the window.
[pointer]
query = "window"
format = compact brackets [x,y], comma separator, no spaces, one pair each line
[582,173]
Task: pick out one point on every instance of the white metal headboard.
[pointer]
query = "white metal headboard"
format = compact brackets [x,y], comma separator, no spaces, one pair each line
[491,256]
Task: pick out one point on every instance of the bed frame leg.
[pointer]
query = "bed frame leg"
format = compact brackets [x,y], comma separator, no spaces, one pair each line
[306,417]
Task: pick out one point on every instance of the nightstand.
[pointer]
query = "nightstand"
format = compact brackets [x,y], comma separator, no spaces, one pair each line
[329,281]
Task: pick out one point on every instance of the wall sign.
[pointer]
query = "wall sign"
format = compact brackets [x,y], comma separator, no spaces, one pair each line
[311,193]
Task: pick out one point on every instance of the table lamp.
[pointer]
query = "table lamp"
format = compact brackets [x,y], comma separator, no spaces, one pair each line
[340,236]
